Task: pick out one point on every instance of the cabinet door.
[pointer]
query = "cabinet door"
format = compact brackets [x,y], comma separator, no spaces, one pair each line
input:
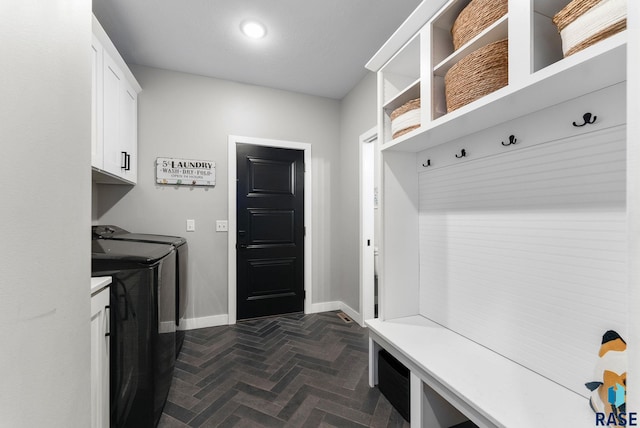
[96,103]
[113,82]
[129,131]
[100,359]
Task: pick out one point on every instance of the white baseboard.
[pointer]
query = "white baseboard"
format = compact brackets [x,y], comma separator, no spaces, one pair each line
[353,314]
[336,306]
[203,322]
[314,308]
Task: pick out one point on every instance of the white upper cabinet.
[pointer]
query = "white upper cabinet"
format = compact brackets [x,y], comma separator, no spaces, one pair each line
[114,114]
[414,62]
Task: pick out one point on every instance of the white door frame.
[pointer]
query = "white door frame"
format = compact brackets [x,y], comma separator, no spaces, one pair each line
[232,177]
[368,147]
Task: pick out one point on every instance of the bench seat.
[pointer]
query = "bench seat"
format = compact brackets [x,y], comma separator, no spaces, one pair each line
[487,388]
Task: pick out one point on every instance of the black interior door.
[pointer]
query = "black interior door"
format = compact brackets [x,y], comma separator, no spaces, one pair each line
[270,228]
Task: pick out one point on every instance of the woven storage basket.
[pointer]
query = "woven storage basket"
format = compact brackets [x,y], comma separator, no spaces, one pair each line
[478,15]
[406,118]
[478,74]
[583,23]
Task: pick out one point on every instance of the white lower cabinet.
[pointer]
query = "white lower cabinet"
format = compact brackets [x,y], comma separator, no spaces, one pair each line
[114,114]
[100,359]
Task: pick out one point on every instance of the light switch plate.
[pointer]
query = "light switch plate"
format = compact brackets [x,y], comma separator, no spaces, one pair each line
[191,225]
[222,226]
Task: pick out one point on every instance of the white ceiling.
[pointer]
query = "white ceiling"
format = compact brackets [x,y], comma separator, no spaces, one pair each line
[317,47]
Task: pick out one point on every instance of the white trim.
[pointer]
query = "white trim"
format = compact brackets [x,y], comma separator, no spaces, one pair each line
[633,201]
[334,306]
[414,22]
[107,44]
[232,177]
[351,312]
[367,227]
[204,322]
[223,319]
[316,308]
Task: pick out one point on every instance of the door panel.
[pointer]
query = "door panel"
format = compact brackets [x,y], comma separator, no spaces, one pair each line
[270,176]
[261,274]
[112,160]
[270,222]
[271,227]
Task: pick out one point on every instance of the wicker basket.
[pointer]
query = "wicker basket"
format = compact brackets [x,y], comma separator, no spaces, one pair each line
[405,118]
[478,15]
[478,74]
[583,23]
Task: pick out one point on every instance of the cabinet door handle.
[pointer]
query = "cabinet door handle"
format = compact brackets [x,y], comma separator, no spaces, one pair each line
[126,161]
[108,320]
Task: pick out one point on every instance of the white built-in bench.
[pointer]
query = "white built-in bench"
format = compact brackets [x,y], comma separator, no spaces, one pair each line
[485,387]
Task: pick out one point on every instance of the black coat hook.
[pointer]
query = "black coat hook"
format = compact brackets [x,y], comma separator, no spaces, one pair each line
[586,120]
[462,154]
[512,140]
[428,163]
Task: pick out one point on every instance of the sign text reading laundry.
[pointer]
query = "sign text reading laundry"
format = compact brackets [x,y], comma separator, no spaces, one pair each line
[185,171]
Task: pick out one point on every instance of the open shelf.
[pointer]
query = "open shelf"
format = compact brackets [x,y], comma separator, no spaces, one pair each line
[442,44]
[402,71]
[401,78]
[410,93]
[497,31]
[589,70]
[444,56]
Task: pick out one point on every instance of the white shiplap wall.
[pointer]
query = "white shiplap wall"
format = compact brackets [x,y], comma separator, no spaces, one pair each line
[525,251]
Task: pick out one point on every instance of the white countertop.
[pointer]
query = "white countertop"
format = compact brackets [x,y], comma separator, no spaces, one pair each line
[99,283]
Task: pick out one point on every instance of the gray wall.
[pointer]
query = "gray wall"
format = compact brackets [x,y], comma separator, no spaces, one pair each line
[358,114]
[188,116]
[45,99]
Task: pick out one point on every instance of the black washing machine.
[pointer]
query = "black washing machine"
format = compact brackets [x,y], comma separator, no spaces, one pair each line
[182,257]
[143,330]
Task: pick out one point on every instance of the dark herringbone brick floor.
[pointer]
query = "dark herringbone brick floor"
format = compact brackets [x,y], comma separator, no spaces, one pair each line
[288,371]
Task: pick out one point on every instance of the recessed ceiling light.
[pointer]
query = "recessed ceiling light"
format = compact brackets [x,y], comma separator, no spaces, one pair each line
[253,29]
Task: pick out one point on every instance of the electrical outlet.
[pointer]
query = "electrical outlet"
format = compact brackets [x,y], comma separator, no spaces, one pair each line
[222,226]
[191,225]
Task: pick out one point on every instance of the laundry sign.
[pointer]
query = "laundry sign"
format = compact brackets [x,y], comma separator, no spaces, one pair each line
[187,172]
